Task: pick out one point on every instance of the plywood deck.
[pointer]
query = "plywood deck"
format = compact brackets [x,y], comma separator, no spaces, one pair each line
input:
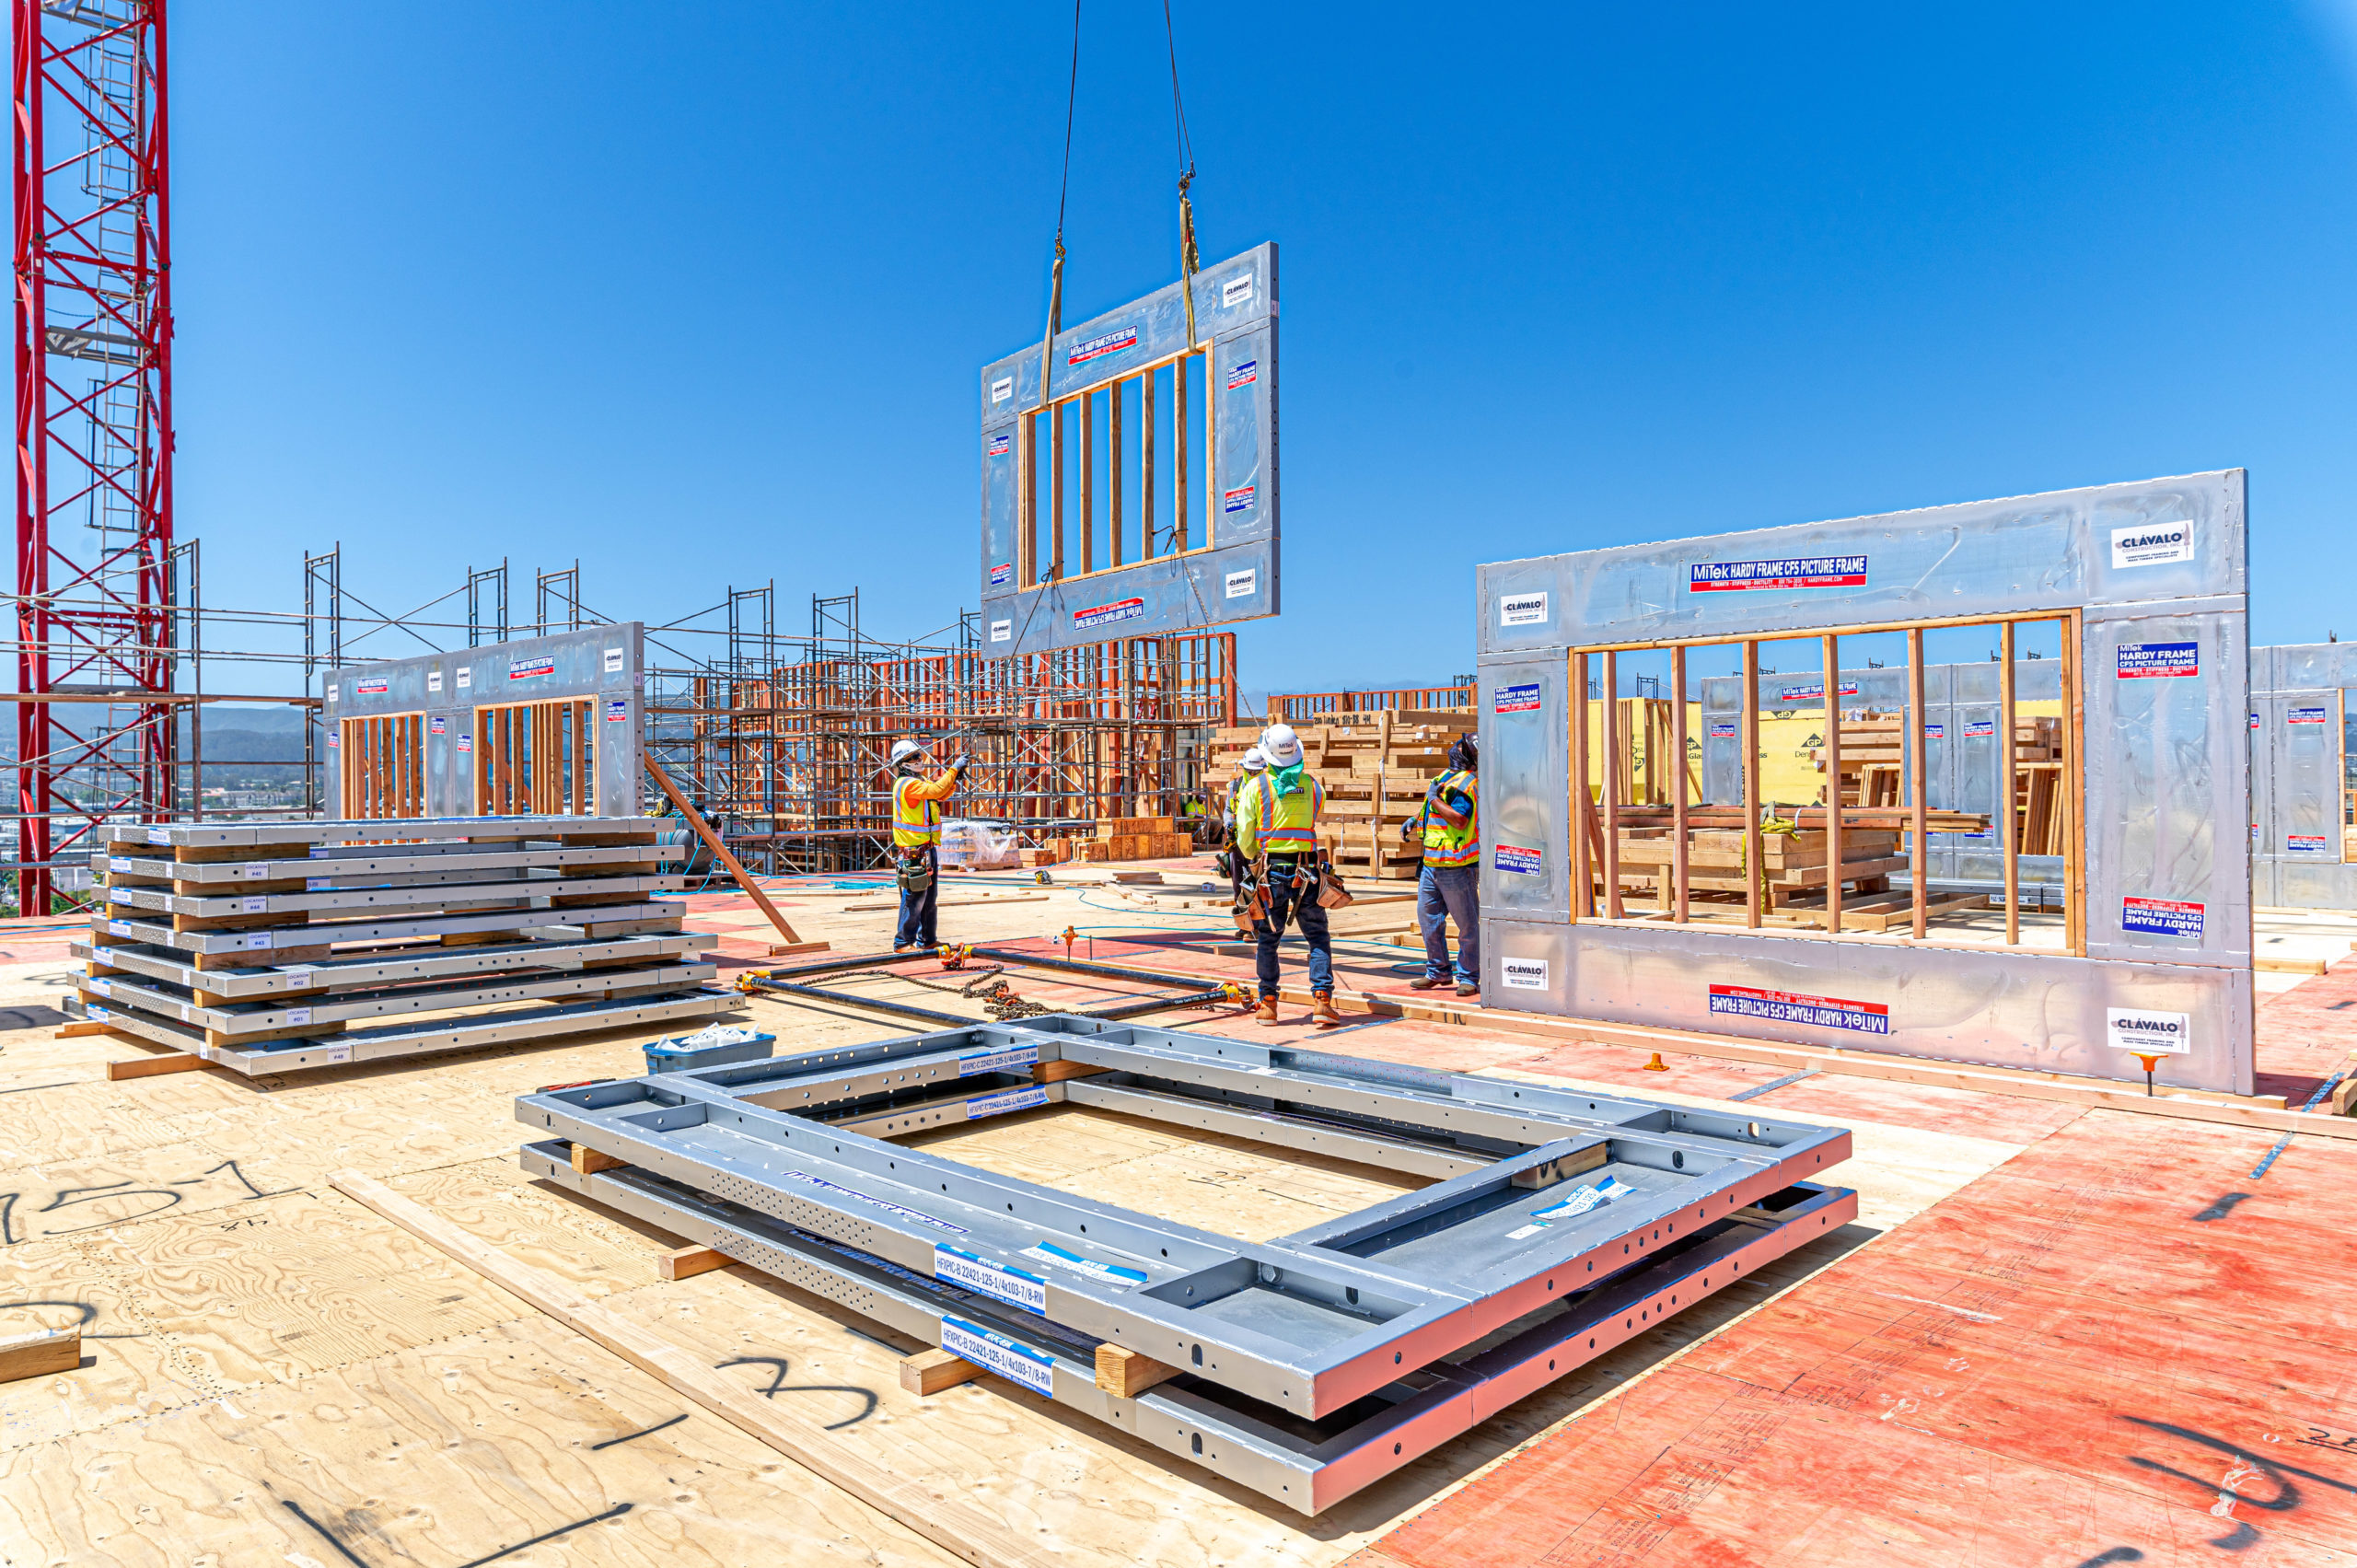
[274,1375]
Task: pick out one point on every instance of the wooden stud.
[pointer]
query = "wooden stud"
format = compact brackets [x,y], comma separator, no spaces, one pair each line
[2009,843]
[1583,873]
[1148,468]
[1125,1374]
[928,1372]
[1087,484]
[1679,871]
[587,1161]
[40,1352]
[1613,908]
[1113,468]
[1751,846]
[1057,1071]
[1056,492]
[1178,444]
[1832,660]
[1026,489]
[151,1067]
[686,1262]
[1919,747]
[2074,773]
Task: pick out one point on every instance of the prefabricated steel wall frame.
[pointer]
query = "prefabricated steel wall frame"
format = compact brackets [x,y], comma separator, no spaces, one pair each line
[600,664]
[2156,572]
[1229,575]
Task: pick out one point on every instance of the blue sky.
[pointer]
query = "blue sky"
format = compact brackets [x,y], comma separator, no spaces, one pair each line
[697,294]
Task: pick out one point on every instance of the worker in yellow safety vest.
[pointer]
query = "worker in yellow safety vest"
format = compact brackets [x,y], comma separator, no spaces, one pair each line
[916,843]
[1449,824]
[1277,815]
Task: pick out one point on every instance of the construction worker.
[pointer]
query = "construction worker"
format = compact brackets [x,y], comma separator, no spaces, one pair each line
[1449,823]
[1277,815]
[916,843]
[1250,768]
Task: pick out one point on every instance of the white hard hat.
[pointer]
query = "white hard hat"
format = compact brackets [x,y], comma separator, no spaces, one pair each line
[1281,746]
[1253,761]
[902,750]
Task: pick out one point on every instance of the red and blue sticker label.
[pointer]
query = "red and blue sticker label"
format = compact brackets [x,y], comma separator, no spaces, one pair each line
[2307,844]
[437,726]
[1816,1012]
[1723,729]
[1813,689]
[1106,614]
[1240,499]
[373,688]
[1243,374]
[2147,661]
[1981,729]
[1102,344]
[2305,715]
[1002,573]
[616,709]
[1935,732]
[530,668]
[2162,917]
[1516,699]
[1000,446]
[1520,861]
[1793,572]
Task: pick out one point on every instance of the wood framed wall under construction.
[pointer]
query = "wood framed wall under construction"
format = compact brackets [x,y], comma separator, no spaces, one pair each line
[384,766]
[536,759]
[794,760]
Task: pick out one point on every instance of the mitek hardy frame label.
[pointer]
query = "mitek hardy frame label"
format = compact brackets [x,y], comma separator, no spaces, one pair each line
[2306,715]
[1108,614]
[1520,699]
[375,686]
[2162,917]
[1522,610]
[1523,974]
[1240,499]
[2148,1033]
[1243,374]
[1104,343]
[1817,1012]
[2147,661]
[1792,572]
[1814,691]
[1521,861]
[2150,544]
[1000,446]
[2307,844]
[530,668]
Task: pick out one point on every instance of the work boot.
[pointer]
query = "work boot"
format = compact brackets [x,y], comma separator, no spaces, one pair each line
[1465,987]
[1429,982]
[1267,1012]
[1321,1012]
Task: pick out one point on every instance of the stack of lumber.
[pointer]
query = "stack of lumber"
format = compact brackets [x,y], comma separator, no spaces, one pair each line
[1793,875]
[266,948]
[1374,770]
[1873,768]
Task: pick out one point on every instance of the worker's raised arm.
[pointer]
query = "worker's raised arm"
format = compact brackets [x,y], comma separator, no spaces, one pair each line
[935,788]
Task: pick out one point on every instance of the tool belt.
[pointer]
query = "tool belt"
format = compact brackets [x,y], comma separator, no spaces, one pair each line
[913,871]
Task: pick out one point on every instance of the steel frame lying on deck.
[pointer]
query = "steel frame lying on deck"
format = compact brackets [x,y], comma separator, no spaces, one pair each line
[1345,1328]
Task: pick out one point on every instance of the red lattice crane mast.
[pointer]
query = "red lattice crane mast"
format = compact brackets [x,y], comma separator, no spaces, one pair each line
[94,444]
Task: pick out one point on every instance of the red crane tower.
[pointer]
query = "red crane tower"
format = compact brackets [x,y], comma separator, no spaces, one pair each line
[95,561]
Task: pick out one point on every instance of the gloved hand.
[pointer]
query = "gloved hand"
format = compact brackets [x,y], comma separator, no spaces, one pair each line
[959,765]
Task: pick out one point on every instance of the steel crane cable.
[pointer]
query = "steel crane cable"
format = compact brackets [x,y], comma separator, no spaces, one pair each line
[1064,189]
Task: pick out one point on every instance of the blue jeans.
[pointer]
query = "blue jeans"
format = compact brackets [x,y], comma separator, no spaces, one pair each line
[1293,891]
[1444,893]
[919,913]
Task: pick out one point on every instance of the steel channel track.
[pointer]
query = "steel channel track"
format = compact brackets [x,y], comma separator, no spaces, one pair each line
[1307,1322]
[359,971]
[1188,1417]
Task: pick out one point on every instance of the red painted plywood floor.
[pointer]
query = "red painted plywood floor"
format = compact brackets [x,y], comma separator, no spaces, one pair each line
[2120,1346]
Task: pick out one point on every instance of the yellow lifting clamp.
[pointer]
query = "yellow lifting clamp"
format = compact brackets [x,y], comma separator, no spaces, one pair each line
[745,980]
[955,956]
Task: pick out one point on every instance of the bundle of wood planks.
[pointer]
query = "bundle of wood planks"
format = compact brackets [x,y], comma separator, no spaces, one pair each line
[1872,773]
[1119,838]
[1792,874]
[268,947]
[1375,768]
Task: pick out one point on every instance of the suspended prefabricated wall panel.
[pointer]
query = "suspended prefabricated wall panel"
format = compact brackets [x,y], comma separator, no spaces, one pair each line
[2159,946]
[2300,787]
[1139,495]
[551,725]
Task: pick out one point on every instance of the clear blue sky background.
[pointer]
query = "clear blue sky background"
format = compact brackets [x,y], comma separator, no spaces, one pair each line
[698,293]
